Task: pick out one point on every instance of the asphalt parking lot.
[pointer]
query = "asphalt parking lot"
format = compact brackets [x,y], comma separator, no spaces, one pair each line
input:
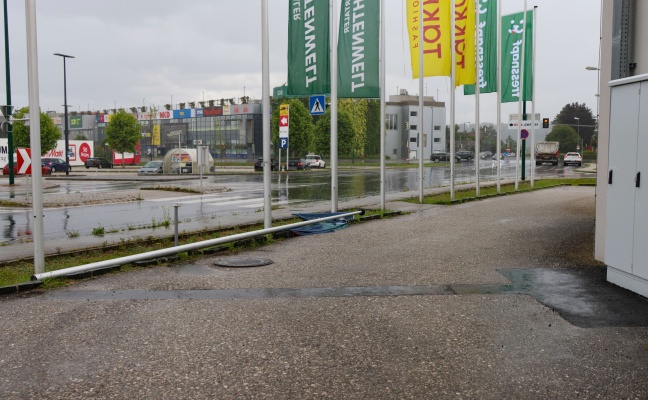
[499,298]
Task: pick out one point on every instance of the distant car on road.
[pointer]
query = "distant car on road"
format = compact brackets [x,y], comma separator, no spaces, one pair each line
[440,156]
[151,167]
[485,155]
[56,164]
[97,162]
[45,170]
[464,155]
[573,158]
[297,164]
[315,161]
[258,165]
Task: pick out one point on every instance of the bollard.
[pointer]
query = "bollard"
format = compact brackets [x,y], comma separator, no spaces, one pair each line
[175,216]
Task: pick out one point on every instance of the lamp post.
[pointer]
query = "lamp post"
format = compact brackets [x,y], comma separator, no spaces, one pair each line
[67,131]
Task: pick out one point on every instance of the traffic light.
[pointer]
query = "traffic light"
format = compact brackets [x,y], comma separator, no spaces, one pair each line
[545,122]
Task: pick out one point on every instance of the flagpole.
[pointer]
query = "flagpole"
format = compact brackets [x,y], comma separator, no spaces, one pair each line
[452,101]
[533,103]
[334,107]
[267,165]
[382,105]
[477,90]
[420,113]
[520,100]
[498,68]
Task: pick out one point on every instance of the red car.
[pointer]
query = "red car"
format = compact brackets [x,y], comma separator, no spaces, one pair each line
[44,170]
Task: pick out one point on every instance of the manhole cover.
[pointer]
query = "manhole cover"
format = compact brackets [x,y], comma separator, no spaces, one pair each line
[243,262]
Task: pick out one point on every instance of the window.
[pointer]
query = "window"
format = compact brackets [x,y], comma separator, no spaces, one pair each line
[413,127]
[395,152]
[412,140]
[413,114]
[437,140]
[392,122]
[437,127]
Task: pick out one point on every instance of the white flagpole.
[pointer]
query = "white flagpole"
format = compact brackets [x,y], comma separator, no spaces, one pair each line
[382,104]
[520,100]
[498,68]
[533,104]
[267,165]
[452,101]
[334,107]
[419,126]
[477,90]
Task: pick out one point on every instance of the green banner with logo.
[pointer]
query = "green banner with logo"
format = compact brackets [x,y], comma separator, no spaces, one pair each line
[486,48]
[358,50]
[76,122]
[308,47]
[512,33]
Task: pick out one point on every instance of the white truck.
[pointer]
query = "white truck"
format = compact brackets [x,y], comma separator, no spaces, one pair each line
[546,152]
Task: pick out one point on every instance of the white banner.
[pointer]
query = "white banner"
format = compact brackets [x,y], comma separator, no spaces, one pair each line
[79,151]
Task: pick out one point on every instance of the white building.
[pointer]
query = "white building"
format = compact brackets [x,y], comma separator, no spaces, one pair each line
[403,127]
[621,239]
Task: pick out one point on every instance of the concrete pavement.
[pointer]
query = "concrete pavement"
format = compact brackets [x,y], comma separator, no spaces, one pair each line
[499,298]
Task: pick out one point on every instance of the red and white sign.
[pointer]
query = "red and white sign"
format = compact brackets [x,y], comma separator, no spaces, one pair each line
[284,118]
[24,161]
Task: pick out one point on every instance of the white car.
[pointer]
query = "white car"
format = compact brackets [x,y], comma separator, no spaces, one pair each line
[573,158]
[315,161]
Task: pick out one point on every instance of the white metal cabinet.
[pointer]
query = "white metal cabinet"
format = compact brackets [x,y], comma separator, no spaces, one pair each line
[626,239]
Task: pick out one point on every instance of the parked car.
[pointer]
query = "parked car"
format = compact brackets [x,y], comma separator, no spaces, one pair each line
[45,170]
[296,164]
[97,162]
[151,167]
[502,156]
[464,155]
[440,156]
[315,161]
[258,165]
[573,158]
[485,155]
[56,164]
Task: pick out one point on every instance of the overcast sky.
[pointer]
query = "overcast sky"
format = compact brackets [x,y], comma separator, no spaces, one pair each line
[143,52]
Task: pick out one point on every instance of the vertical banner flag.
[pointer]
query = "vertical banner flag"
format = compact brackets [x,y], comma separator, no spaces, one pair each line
[437,36]
[512,30]
[464,45]
[486,48]
[308,47]
[358,48]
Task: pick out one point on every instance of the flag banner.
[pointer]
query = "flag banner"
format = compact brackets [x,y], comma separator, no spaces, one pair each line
[436,36]
[358,50]
[308,47]
[486,48]
[464,45]
[512,29]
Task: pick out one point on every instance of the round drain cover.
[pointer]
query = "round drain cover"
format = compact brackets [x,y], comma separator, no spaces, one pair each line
[243,262]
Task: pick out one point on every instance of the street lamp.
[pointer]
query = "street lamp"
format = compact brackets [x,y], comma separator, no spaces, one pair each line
[67,131]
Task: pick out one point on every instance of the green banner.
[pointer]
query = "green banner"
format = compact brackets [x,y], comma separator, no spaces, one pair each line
[512,33]
[486,48]
[308,48]
[76,122]
[358,49]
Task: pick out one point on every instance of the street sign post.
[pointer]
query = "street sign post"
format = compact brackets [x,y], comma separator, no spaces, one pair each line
[317,105]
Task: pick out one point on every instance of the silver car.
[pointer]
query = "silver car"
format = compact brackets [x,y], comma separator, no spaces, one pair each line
[151,167]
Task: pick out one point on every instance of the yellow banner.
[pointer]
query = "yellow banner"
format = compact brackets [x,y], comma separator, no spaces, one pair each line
[464,42]
[155,141]
[436,37]
[437,20]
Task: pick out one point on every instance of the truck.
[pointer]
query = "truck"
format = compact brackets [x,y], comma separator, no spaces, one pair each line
[546,152]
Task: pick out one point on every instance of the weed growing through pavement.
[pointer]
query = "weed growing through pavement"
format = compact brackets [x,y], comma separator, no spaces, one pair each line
[99,230]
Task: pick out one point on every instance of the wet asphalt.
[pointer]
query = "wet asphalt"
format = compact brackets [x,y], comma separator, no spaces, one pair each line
[499,298]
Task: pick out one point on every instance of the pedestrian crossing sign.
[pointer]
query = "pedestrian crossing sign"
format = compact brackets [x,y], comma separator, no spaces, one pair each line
[317,105]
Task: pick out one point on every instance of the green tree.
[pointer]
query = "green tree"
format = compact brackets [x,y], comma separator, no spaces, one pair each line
[301,128]
[346,134]
[122,133]
[567,137]
[372,148]
[49,133]
[585,124]
[357,110]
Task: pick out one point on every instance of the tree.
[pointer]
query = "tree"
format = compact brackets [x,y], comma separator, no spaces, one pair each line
[301,127]
[357,110]
[49,133]
[567,137]
[122,133]
[372,148]
[346,134]
[585,124]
